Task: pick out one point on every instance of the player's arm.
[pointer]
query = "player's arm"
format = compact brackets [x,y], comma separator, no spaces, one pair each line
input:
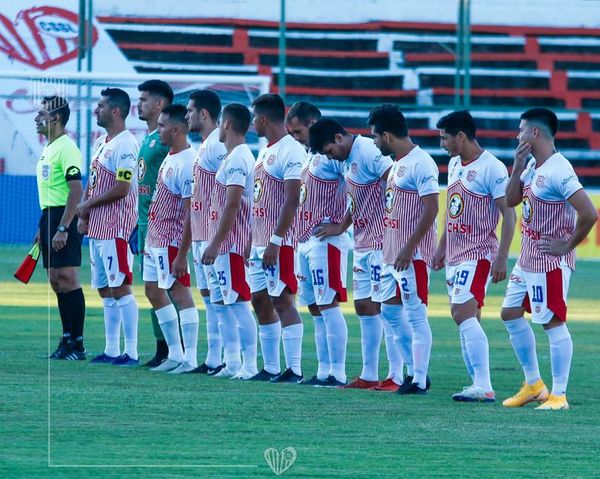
[117,192]
[439,257]
[587,215]
[430,211]
[291,199]
[233,203]
[514,188]
[179,265]
[509,219]
[325,230]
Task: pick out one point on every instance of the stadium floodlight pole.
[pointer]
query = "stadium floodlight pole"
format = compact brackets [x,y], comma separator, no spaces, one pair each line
[467,53]
[89,47]
[282,46]
[458,53]
[80,55]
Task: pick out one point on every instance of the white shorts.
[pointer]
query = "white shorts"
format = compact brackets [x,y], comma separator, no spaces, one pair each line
[276,278]
[111,261]
[322,270]
[366,275]
[410,285]
[157,266]
[541,294]
[468,280]
[205,276]
[231,275]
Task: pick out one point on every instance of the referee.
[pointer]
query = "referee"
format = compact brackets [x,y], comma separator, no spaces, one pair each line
[59,188]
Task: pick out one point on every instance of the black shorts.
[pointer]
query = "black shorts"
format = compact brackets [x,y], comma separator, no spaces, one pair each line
[70,255]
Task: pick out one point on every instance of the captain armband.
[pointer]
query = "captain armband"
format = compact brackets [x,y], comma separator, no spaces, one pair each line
[124,174]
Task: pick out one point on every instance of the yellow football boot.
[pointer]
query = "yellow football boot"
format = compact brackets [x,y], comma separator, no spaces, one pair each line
[528,393]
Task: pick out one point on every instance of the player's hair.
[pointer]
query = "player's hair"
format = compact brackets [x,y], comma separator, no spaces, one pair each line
[271,106]
[239,116]
[323,132]
[544,117]
[176,114]
[158,88]
[460,120]
[388,117]
[304,111]
[118,98]
[57,105]
[207,100]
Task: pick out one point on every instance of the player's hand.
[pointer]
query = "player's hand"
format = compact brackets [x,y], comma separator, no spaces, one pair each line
[521,154]
[499,267]
[37,238]
[325,230]
[404,258]
[83,211]
[247,252]
[179,265]
[59,241]
[82,226]
[554,246]
[439,259]
[210,254]
[271,255]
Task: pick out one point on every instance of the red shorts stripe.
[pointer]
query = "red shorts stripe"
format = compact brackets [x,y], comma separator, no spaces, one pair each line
[480,278]
[121,246]
[172,252]
[286,268]
[422,279]
[238,276]
[334,264]
[554,292]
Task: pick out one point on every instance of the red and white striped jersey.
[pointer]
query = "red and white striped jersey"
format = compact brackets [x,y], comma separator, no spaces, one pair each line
[413,176]
[366,167]
[112,161]
[166,216]
[237,169]
[546,211]
[276,163]
[210,156]
[472,215]
[323,197]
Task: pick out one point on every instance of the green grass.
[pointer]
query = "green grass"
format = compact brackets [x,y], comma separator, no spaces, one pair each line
[57,414]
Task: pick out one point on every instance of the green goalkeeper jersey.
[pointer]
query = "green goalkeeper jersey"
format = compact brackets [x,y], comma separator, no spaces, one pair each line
[152,153]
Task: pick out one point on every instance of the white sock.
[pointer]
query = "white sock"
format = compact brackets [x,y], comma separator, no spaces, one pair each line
[128,310]
[394,315]
[247,331]
[337,339]
[169,325]
[230,337]
[421,343]
[523,342]
[465,356]
[270,336]
[476,344]
[213,336]
[395,363]
[322,349]
[112,327]
[292,347]
[561,353]
[370,342]
[189,330]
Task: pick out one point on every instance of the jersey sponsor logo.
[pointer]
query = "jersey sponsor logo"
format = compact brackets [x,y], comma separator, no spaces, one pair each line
[141,168]
[461,173]
[353,168]
[152,143]
[258,190]
[567,179]
[390,223]
[124,175]
[73,171]
[93,178]
[401,171]
[169,172]
[456,205]
[499,181]
[107,154]
[527,210]
[389,200]
[351,204]
[315,161]
[471,175]
[46,169]
[271,159]
[540,181]
[303,193]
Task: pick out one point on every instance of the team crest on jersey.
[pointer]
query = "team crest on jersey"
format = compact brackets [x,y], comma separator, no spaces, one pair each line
[303,193]
[353,168]
[538,308]
[93,178]
[169,173]
[376,287]
[152,143]
[258,189]
[401,171]
[108,154]
[527,209]
[471,175]
[315,161]
[271,159]
[45,172]
[456,205]
[461,173]
[540,181]
[389,200]
[141,169]
[351,204]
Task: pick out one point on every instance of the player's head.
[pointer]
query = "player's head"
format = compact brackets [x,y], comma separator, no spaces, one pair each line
[154,96]
[54,111]
[204,107]
[300,118]
[387,124]
[328,137]
[172,125]
[457,129]
[113,107]
[537,124]
[268,109]
[235,120]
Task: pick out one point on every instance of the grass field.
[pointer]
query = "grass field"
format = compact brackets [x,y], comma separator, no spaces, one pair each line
[77,420]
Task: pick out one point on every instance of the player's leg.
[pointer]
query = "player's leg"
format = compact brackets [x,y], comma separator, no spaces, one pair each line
[189,322]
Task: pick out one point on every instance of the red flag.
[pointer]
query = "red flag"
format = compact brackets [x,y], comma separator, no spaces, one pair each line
[25,271]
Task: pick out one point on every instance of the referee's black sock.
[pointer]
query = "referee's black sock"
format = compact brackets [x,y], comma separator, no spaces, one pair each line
[65,318]
[75,310]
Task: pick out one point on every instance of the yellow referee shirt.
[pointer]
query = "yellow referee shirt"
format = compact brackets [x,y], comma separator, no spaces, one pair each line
[60,161]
